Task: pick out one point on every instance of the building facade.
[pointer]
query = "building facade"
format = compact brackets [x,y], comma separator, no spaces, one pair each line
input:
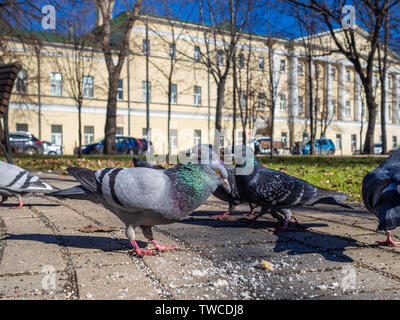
[44,99]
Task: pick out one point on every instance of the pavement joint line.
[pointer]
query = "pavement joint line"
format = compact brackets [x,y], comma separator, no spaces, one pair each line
[71,282]
[376,270]
[3,231]
[162,291]
[73,209]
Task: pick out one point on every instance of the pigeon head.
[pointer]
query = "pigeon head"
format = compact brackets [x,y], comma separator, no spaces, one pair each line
[218,175]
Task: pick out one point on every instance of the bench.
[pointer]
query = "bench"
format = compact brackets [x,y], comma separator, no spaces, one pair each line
[8,74]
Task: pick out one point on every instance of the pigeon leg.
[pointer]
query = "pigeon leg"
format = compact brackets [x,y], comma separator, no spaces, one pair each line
[141,252]
[161,248]
[288,215]
[130,233]
[148,233]
[388,242]
[252,208]
[226,214]
[20,203]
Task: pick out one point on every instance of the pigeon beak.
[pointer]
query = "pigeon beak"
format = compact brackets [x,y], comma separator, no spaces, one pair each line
[227,187]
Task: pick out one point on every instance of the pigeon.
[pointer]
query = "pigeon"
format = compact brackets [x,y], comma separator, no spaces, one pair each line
[144,164]
[146,197]
[15,181]
[277,192]
[381,195]
[206,154]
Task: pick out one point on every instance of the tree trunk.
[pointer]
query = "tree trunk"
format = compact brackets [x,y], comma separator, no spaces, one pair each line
[218,111]
[372,106]
[271,132]
[111,117]
[80,130]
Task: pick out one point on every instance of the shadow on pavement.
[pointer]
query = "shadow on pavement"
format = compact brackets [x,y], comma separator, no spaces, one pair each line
[83,242]
[297,241]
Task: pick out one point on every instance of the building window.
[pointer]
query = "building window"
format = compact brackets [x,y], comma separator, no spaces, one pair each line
[389,113]
[390,83]
[146,47]
[56,134]
[197,53]
[120,95]
[56,84]
[348,108]
[375,79]
[305,137]
[300,69]
[282,67]
[241,60]
[197,137]
[172,50]
[353,142]
[284,139]
[22,127]
[146,90]
[301,105]
[120,131]
[197,95]
[261,101]
[334,107]
[88,134]
[333,73]
[339,141]
[348,76]
[282,102]
[261,63]
[173,138]
[87,86]
[21,83]
[174,94]
[220,57]
[394,142]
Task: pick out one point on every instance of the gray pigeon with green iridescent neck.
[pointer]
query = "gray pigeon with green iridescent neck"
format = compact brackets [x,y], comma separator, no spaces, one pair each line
[146,197]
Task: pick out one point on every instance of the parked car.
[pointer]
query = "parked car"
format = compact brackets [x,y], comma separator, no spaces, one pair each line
[51,148]
[125,145]
[262,145]
[322,146]
[24,142]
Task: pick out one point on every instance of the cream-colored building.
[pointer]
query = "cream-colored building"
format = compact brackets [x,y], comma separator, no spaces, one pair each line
[50,112]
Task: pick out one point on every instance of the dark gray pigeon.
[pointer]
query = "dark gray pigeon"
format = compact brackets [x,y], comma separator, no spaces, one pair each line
[381,195]
[146,197]
[144,164]
[15,181]
[276,192]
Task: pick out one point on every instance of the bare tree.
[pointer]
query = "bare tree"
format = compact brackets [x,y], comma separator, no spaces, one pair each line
[222,25]
[110,50]
[372,15]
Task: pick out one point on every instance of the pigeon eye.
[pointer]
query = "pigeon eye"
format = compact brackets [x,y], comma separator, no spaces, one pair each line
[218,172]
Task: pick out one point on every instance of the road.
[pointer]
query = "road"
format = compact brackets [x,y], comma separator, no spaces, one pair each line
[331,254]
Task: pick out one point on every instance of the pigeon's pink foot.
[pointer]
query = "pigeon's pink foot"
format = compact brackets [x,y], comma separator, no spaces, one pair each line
[251,213]
[285,227]
[161,248]
[20,203]
[388,242]
[140,252]
[221,216]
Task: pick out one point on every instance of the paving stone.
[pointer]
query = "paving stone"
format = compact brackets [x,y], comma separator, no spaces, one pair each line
[118,282]
[24,256]
[341,230]
[183,268]
[377,258]
[98,259]
[25,226]
[22,285]
[292,258]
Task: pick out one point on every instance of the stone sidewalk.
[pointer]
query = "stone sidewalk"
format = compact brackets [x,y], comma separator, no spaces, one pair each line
[331,255]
